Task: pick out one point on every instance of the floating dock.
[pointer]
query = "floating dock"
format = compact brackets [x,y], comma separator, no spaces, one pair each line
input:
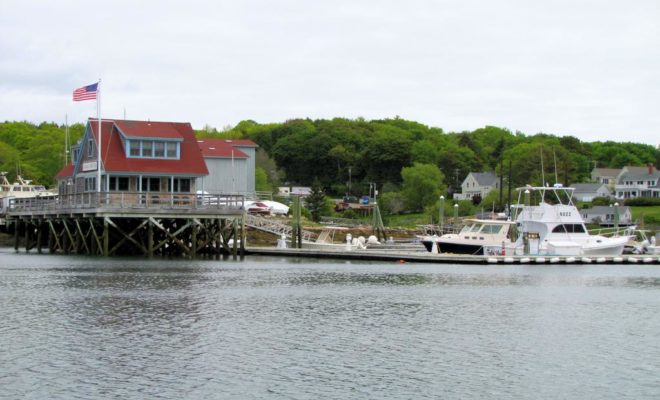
[426,257]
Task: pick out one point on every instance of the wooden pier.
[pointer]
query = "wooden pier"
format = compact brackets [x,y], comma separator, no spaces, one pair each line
[145,224]
[426,257]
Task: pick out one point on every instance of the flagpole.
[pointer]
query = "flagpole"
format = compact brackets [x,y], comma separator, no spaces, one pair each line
[98,117]
[66,139]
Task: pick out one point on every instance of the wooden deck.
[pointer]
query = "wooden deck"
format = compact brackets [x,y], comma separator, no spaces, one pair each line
[118,204]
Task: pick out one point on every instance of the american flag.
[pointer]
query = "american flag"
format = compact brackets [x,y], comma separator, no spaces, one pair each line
[86,92]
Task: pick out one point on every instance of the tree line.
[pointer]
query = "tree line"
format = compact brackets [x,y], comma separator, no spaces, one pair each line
[398,155]
[347,156]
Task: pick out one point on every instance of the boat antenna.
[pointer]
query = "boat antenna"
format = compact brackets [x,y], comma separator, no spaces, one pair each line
[554,156]
[542,169]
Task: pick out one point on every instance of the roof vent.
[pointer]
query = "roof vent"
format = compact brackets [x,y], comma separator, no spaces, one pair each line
[211,148]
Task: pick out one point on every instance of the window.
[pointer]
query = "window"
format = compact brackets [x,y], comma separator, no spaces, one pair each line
[491,229]
[159,149]
[147,148]
[153,149]
[134,146]
[90,148]
[90,184]
[119,183]
[181,185]
[570,228]
[170,150]
[151,184]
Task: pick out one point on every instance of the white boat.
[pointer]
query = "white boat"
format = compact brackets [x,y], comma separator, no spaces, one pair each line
[11,193]
[22,188]
[478,237]
[326,241]
[554,226]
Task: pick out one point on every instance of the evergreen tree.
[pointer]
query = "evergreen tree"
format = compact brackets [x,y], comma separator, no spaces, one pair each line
[316,201]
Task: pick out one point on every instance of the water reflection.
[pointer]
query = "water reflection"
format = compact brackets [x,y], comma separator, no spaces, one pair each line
[266,328]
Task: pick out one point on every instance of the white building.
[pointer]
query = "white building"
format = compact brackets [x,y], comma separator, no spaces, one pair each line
[605,215]
[638,182]
[588,191]
[477,183]
[294,191]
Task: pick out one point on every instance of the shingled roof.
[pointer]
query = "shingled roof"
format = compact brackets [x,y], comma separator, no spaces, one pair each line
[190,163]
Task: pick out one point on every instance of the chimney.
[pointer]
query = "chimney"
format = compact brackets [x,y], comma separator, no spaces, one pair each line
[650,168]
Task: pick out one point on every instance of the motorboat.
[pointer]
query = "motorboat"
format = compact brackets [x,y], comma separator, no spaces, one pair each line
[548,223]
[20,191]
[22,188]
[475,236]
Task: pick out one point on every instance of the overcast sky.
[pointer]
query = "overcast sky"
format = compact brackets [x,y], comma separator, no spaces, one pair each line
[590,69]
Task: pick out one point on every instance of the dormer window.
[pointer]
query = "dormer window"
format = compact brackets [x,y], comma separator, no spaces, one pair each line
[134,148]
[153,149]
[159,150]
[147,149]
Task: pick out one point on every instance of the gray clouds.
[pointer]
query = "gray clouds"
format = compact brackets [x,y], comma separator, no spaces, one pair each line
[582,68]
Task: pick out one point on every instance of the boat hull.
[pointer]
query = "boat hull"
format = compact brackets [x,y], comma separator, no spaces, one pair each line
[454,248]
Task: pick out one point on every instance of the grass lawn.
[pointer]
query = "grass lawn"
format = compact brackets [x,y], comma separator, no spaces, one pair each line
[650,215]
[409,221]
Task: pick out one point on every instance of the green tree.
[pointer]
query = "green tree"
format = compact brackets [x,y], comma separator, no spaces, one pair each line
[422,185]
[316,202]
[261,181]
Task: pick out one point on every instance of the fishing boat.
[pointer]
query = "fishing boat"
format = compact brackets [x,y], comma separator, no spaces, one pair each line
[475,235]
[549,224]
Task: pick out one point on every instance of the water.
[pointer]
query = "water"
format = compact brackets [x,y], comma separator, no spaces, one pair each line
[271,328]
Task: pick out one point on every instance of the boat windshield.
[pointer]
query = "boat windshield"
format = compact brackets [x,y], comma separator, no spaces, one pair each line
[492,229]
[469,228]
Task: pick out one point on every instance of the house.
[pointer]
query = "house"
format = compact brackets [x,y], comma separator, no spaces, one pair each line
[294,191]
[605,215]
[231,165]
[137,157]
[477,183]
[589,191]
[605,175]
[638,182]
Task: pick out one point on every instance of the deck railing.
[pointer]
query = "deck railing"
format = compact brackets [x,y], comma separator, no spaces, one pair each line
[130,200]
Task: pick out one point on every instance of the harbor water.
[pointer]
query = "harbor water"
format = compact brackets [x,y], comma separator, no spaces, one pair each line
[284,328]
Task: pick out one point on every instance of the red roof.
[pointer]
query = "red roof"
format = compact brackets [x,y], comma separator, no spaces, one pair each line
[219,148]
[191,162]
[65,172]
[148,129]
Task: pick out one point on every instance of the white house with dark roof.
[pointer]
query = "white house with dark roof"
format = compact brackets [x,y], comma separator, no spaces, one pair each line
[638,182]
[477,183]
[589,191]
[605,215]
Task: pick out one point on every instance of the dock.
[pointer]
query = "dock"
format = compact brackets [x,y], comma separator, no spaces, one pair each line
[426,257]
[146,224]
